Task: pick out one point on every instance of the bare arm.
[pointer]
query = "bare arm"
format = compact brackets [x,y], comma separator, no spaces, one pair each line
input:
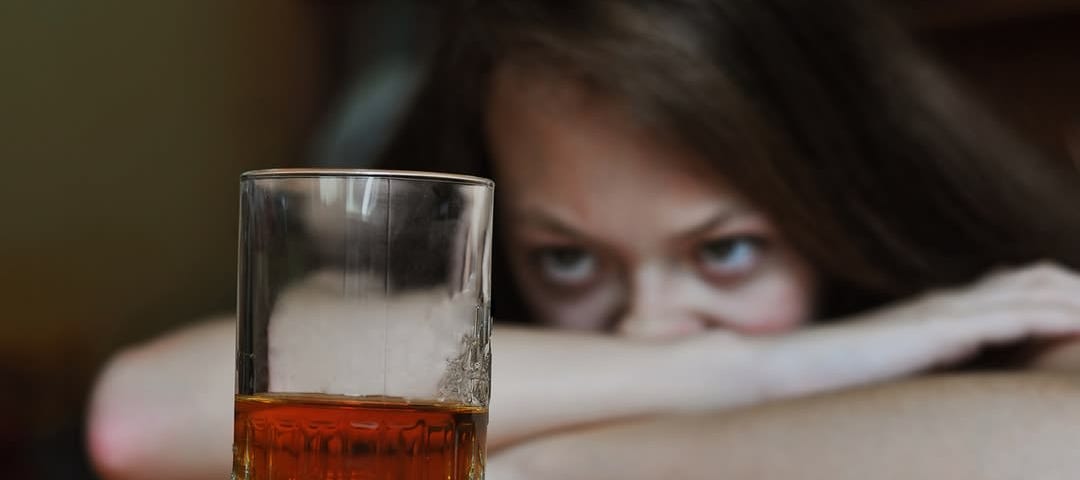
[1062,355]
[979,427]
[546,380]
[549,381]
[163,410]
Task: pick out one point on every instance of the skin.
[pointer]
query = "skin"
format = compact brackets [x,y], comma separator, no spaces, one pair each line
[554,146]
[987,427]
[612,229]
[721,371]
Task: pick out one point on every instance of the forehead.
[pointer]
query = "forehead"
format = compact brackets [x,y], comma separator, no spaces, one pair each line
[548,133]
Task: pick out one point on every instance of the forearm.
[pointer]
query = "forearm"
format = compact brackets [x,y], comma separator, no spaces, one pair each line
[546,380]
[165,407]
[1062,356]
[163,410]
[973,427]
[167,404]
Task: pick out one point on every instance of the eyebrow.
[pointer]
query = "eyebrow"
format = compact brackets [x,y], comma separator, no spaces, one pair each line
[558,225]
[547,221]
[715,220]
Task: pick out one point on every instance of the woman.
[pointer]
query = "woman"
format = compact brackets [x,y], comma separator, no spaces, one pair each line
[706,181]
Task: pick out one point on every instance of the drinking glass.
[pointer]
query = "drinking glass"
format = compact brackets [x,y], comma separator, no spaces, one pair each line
[363,325]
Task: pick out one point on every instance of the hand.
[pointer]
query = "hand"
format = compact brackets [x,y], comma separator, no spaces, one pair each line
[935,329]
[938,328]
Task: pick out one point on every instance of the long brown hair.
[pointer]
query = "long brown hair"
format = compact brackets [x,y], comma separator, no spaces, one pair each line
[822,113]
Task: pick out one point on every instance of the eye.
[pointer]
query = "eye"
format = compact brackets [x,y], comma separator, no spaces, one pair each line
[730,258]
[566,266]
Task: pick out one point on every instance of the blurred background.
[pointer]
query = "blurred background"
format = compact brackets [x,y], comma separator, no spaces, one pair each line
[124,126]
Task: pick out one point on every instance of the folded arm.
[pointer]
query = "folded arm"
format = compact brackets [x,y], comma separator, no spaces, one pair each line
[978,427]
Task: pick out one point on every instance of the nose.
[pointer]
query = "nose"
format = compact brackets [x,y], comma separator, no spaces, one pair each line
[657,308]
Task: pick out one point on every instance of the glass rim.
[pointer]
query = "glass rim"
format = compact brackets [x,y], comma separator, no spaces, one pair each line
[365,172]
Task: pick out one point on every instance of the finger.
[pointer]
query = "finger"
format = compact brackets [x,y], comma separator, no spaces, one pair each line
[1034,276]
[1016,303]
[1047,286]
[954,337]
[905,347]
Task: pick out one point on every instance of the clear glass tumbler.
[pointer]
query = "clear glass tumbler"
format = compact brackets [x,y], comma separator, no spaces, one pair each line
[363,329]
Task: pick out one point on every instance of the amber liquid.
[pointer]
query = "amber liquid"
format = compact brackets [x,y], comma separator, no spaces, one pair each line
[279,437]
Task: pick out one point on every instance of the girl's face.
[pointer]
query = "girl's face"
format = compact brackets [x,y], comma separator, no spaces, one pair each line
[609,227]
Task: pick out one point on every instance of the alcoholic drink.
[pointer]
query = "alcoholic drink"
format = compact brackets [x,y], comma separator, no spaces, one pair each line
[324,437]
